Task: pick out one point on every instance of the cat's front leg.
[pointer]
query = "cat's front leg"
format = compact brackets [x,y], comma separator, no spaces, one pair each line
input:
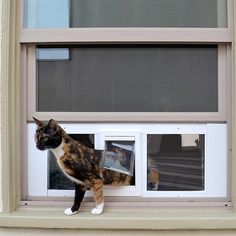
[79,195]
[98,197]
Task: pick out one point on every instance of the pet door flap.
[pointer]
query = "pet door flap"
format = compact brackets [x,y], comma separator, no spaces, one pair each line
[119,156]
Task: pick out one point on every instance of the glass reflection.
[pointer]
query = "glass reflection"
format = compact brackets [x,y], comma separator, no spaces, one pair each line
[175,162]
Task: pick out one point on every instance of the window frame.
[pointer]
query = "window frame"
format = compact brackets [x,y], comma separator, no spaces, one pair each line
[220,36]
[13,129]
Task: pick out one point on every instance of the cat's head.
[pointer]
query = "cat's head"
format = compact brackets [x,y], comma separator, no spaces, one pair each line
[48,135]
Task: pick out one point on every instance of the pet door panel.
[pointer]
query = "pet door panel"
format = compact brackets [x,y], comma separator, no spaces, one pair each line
[175,162]
[57,180]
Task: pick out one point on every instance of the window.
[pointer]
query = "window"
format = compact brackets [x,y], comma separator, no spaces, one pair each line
[155,83]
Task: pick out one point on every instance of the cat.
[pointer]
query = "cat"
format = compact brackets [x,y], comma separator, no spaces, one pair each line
[81,164]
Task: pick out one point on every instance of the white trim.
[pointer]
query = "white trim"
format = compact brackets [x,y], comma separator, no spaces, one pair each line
[37,166]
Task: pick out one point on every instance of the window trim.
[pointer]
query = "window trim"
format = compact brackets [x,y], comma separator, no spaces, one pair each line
[220,116]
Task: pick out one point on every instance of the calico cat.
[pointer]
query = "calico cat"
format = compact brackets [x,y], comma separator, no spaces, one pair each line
[81,164]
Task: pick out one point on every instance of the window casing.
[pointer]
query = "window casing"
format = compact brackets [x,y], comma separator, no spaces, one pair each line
[218,36]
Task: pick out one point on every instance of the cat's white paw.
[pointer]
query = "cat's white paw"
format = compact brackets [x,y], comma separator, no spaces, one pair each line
[98,209]
[69,212]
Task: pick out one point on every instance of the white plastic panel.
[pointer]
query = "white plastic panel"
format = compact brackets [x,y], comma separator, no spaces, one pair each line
[37,166]
[215,158]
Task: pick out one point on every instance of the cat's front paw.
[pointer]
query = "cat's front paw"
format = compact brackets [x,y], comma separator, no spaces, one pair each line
[98,209]
[69,212]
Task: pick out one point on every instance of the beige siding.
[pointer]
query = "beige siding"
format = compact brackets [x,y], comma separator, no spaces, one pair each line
[0,107]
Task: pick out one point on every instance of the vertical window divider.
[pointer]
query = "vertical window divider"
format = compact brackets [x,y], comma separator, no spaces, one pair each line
[31,81]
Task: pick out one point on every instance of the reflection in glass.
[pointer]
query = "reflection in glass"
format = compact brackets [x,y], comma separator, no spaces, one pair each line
[175,162]
[46,13]
[123,13]
[138,78]
[52,54]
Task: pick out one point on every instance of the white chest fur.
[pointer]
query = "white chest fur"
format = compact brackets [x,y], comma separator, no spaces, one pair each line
[58,153]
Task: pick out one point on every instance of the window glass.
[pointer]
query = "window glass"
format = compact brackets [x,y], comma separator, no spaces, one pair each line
[46,14]
[125,13]
[175,162]
[57,179]
[138,78]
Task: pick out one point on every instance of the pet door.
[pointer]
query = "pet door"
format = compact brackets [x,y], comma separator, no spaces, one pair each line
[119,156]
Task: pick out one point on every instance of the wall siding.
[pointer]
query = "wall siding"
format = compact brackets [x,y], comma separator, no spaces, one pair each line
[0,106]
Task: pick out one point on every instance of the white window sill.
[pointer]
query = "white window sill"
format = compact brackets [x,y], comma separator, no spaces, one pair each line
[143,219]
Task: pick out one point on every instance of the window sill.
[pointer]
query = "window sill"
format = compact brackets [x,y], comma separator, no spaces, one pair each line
[143,219]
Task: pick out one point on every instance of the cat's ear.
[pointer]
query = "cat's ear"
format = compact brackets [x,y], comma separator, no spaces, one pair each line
[52,123]
[54,126]
[38,122]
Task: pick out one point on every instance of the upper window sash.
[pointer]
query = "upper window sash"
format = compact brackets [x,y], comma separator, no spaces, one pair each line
[121,13]
[131,34]
[221,115]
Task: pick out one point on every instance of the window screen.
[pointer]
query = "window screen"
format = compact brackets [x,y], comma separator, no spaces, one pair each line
[138,78]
